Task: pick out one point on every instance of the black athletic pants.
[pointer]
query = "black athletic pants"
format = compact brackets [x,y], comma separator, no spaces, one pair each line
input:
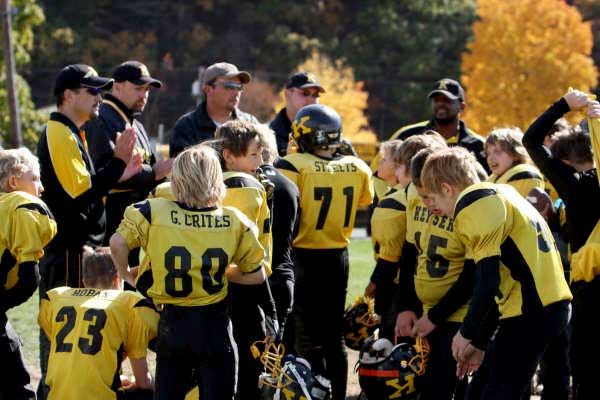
[513,354]
[320,296]
[195,344]
[14,381]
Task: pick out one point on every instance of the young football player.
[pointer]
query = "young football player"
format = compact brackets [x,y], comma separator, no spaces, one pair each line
[26,228]
[331,189]
[518,273]
[241,153]
[509,162]
[92,329]
[388,232]
[189,244]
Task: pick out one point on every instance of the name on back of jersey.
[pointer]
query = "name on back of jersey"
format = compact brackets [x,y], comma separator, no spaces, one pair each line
[196,220]
[423,214]
[325,166]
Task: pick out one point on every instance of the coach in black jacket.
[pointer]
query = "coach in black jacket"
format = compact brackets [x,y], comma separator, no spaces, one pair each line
[223,84]
[119,110]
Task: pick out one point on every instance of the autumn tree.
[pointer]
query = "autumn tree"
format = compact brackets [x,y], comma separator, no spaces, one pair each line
[344,94]
[27,15]
[525,54]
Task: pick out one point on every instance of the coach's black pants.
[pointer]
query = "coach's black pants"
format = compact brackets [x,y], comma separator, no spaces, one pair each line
[321,284]
[14,380]
[513,354]
[195,344]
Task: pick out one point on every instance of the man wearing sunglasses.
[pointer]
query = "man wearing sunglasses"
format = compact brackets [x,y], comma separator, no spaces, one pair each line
[73,187]
[222,87]
[301,89]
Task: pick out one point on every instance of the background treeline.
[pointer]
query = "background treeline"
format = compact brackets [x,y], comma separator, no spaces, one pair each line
[397,48]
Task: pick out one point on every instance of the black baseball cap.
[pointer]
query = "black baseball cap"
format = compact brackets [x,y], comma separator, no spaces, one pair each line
[449,88]
[76,76]
[136,73]
[304,80]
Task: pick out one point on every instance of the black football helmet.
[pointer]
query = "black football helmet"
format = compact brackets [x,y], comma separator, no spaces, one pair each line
[296,381]
[316,126]
[386,371]
[360,322]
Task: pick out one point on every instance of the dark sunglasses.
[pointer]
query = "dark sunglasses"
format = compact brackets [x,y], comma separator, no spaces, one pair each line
[92,91]
[229,85]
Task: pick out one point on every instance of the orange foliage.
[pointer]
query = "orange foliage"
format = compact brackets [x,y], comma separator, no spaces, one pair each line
[525,55]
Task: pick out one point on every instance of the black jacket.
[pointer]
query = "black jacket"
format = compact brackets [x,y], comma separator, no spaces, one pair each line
[79,215]
[197,126]
[579,190]
[101,135]
[466,138]
[282,126]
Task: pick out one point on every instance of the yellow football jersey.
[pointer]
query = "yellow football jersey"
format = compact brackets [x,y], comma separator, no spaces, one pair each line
[330,192]
[523,177]
[90,332]
[494,220]
[441,256]
[380,187]
[26,227]
[388,225]
[189,249]
[248,195]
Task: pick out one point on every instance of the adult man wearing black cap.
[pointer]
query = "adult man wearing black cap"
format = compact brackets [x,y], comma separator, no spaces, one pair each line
[73,187]
[118,111]
[301,89]
[447,102]
[223,84]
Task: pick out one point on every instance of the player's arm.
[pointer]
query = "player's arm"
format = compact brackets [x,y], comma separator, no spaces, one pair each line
[249,255]
[558,173]
[33,228]
[120,253]
[458,295]
[143,379]
[29,279]
[45,315]
[482,237]
[235,275]
[288,169]
[405,298]
[132,233]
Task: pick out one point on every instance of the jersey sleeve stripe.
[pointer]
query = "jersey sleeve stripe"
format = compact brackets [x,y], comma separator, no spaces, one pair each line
[284,164]
[145,303]
[524,175]
[37,207]
[144,209]
[392,204]
[471,198]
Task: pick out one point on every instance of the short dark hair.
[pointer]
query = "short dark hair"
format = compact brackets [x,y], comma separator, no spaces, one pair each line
[98,268]
[417,162]
[573,145]
[60,99]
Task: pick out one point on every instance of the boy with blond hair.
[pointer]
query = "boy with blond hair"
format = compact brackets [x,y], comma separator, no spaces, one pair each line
[518,273]
[189,244]
[26,227]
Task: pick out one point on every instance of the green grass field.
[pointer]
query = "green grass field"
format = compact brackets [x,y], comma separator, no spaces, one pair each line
[24,317]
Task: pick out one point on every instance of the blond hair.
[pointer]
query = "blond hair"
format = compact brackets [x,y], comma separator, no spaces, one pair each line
[16,162]
[510,140]
[267,144]
[411,146]
[454,166]
[197,178]
[390,147]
